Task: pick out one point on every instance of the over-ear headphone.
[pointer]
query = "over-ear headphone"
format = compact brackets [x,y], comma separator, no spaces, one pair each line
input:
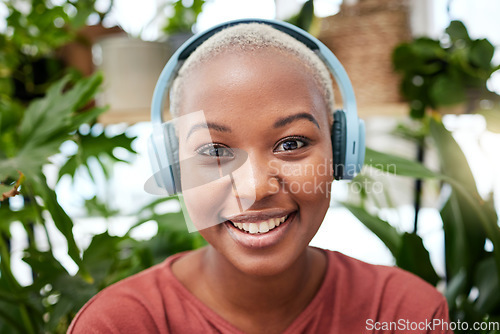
[348,132]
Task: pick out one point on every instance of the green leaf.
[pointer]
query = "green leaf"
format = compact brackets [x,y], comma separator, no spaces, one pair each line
[86,117]
[71,292]
[479,216]
[99,147]
[50,118]
[95,207]
[487,282]
[457,31]
[101,256]
[11,319]
[10,115]
[447,90]
[457,253]
[183,17]
[397,165]
[456,287]
[415,258]
[481,53]
[46,124]
[453,161]
[172,237]
[382,229]
[305,17]
[27,213]
[62,221]
[423,56]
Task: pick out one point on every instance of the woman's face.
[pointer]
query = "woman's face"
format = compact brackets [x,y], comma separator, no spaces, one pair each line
[265,107]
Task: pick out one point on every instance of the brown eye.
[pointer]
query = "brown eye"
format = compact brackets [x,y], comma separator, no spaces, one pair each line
[215,151]
[290,144]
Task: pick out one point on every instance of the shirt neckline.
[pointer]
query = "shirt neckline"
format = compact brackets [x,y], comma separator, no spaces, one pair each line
[219,320]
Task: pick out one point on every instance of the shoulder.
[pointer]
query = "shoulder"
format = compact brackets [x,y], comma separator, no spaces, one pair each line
[132,305]
[390,290]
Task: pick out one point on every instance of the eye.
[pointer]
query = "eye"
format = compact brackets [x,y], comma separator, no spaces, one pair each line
[214,150]
[290,144]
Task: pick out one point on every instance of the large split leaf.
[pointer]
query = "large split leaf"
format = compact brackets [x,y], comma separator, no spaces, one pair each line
[382,229]
[62,221]
[397,165]
[414,257]
[100,147]
[487,282]
[468,211]
[46,124]
[63,293]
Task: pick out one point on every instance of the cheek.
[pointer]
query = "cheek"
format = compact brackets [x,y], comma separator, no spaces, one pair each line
[309,179]
[205,204]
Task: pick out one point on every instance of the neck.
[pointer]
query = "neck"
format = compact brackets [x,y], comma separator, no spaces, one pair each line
[283,295]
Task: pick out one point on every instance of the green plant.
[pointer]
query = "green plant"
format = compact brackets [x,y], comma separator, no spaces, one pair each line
[183,17]
[437,75]
[35,30]
[305,17]
[469,221]
[42,107]
[27,141]
[448,72]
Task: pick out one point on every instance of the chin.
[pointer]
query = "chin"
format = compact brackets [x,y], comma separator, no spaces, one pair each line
[265,265]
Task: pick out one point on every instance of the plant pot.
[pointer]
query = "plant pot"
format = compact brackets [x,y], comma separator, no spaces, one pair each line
[78,54]
[131,68]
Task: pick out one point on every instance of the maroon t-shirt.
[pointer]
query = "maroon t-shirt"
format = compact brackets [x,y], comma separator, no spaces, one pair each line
[354,298]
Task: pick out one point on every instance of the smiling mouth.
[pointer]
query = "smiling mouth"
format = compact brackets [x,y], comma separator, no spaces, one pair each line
[260,227]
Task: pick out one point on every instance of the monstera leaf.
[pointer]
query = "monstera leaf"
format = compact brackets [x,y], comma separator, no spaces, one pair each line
[46,124]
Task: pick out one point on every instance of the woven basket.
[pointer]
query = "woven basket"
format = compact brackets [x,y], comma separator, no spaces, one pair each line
[363,37]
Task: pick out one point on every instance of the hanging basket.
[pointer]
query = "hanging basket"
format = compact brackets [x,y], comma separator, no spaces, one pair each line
[363,37]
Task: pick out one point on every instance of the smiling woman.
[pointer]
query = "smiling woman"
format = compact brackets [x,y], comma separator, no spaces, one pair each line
[254,101]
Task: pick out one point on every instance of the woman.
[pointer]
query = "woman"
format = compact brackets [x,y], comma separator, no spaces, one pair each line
[263,93]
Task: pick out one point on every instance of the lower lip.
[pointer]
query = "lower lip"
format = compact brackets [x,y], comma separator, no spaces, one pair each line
[259,240]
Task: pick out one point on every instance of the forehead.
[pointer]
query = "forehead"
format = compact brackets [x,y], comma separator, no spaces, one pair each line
[264,79]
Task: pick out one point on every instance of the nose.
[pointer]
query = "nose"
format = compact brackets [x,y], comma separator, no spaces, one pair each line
[256,179]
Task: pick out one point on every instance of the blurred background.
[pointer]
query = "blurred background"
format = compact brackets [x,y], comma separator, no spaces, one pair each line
[76,82]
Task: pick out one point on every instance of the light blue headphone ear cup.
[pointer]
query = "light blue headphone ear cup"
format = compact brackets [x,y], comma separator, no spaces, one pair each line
[339,144]
[172,151]
[163,151]
[155,163]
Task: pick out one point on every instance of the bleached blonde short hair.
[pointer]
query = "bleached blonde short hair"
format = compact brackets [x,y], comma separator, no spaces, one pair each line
[253,37]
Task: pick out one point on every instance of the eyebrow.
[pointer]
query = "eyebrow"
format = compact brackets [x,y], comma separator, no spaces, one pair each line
[208,125]
[279,123]
[289,119]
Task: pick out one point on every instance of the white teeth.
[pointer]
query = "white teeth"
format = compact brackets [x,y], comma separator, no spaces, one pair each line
[271,223]
[254,228]
[262,227]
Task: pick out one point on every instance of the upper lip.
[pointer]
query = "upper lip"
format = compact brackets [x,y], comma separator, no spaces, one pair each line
[257,216]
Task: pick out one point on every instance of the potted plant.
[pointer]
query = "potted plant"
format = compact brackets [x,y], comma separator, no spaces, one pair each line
[129,93]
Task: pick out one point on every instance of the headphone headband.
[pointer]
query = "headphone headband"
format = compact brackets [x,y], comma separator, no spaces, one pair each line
[354,132]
